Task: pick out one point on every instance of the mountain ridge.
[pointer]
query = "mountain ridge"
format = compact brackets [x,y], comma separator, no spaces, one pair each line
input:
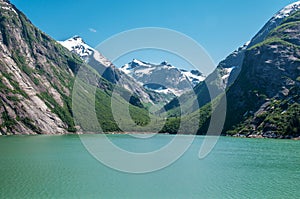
[109,71]
[271,115]
[264,78]
[172,79]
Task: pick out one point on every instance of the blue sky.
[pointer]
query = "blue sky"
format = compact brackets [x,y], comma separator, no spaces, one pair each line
[220,26]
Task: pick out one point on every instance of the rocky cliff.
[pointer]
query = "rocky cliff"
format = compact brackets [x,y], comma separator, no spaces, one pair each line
[37,75]
[261,81]
[264,100]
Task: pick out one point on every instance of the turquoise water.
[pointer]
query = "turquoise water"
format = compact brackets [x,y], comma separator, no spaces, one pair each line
[60,167]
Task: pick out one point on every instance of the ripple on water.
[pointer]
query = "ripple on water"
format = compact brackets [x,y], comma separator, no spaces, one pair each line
[60,167]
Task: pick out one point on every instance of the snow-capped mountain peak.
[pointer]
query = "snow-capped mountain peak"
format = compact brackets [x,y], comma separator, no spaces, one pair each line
[78,46]
[274,22]
[162,77]
[288,10]
[127,68]
[107,69]
[165,63]
[136,62]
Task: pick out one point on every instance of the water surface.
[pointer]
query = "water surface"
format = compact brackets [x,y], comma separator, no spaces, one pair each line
[60,167]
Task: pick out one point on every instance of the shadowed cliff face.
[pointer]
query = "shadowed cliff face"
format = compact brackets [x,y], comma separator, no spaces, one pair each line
[269,76]
[261,80]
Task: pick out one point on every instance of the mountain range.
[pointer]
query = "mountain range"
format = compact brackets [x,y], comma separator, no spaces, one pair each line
[108,71]
[137,76]
[260,80]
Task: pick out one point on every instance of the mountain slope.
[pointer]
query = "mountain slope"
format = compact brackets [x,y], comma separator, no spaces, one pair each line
[228,70]
[220,79]
[267,90]
[275,21]
[104,67]
[109,72]
[37,75]
[262,83]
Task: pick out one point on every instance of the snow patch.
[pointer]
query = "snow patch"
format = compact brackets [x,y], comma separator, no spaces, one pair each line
[126,69]
[193,78]
[170,91]
[140,63]
[146,71]
[164,73]
[9,9]
[247,43]
[78,46]
[227,72]
[288,10]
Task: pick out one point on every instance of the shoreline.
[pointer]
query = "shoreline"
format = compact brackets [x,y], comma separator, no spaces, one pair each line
[256,136]
[152,133]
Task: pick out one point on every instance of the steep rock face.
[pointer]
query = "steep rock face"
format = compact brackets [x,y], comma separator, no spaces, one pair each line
[261,80]
[231,67]
[269,85]
[35,77]
[220,79]
[228,70]
[232,64]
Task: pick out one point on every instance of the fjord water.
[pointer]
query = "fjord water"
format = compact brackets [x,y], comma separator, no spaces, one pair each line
[60,167]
